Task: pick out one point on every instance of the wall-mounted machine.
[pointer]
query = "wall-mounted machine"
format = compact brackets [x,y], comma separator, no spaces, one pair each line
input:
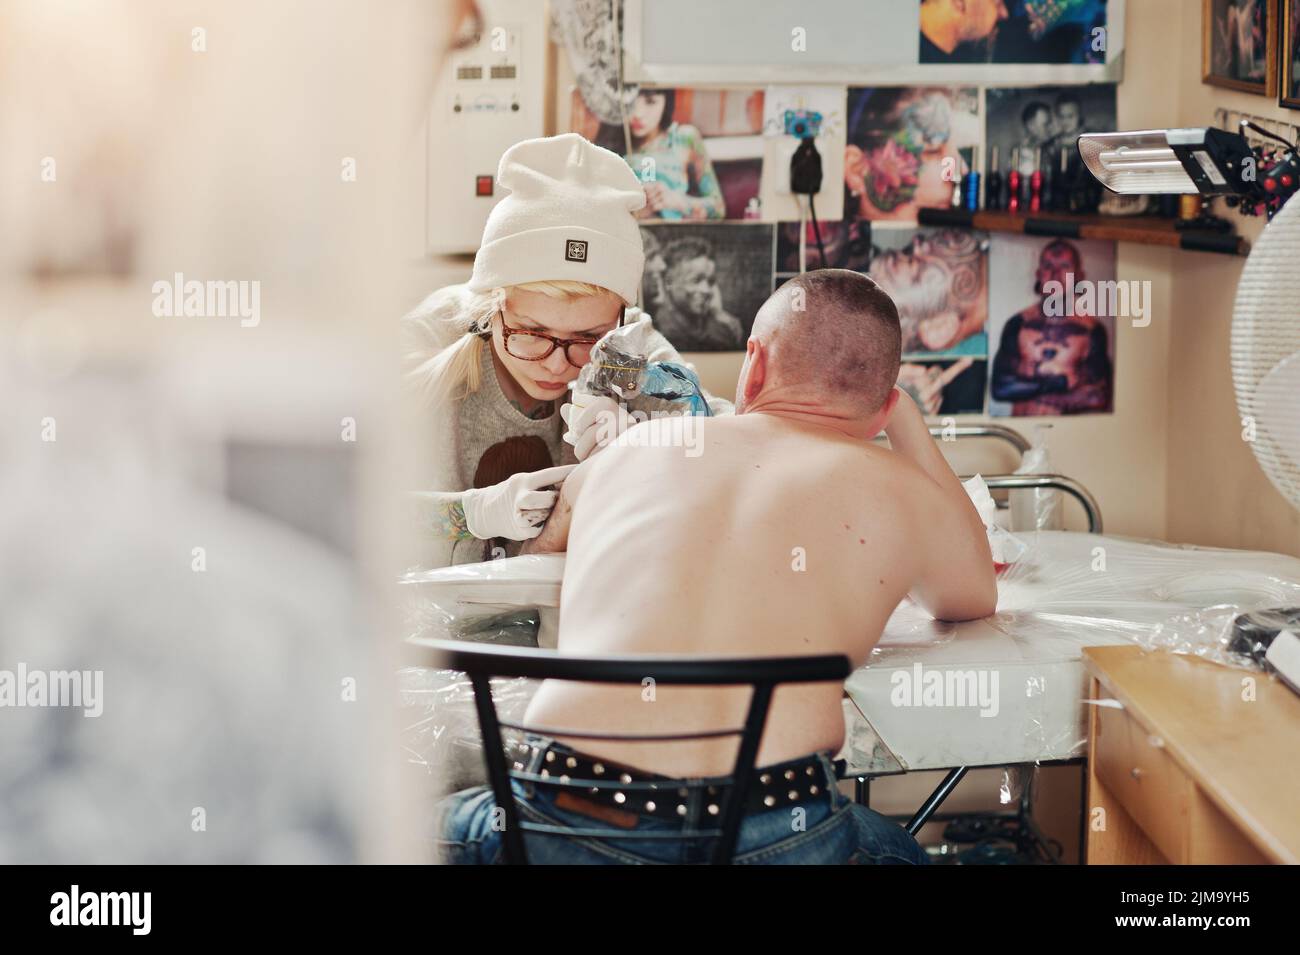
[491,94]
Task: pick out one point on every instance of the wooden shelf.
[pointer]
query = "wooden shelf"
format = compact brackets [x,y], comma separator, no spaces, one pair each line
[1148,230]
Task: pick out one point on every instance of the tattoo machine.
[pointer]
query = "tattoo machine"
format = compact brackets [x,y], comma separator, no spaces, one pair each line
[620,368]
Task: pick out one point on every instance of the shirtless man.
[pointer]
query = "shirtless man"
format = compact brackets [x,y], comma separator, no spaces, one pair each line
[784,531]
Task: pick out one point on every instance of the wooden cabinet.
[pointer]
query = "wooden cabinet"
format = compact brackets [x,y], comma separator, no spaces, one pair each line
[1189,762]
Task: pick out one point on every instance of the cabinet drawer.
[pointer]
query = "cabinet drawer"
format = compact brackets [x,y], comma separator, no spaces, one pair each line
[1154,790]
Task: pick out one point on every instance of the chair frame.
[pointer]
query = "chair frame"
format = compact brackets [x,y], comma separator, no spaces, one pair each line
[763,674]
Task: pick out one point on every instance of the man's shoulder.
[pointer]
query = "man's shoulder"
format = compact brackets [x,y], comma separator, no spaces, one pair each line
[878,473]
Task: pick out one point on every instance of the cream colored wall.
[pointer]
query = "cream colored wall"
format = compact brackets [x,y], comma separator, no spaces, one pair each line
[1120,457]
[1169,462]
[1216,493]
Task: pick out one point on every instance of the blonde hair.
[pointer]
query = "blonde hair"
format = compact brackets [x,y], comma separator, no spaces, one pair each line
[445,334]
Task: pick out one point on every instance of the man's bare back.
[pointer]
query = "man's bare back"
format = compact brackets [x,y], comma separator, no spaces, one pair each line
[750,535]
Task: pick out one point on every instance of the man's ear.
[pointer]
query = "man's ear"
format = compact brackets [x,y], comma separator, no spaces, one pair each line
[756,369]
[892,401]
[887,409]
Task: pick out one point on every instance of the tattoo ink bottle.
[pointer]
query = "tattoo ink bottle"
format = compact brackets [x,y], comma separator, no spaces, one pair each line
[1036,183]
[1060,198]
[1013,182]
[993,184]
[971,191]
[1049,183]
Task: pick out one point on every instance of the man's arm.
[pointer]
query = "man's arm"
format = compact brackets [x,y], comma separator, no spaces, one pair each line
[554,538]
[957,578]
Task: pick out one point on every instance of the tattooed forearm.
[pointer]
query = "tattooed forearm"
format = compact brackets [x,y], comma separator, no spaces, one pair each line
[449,520]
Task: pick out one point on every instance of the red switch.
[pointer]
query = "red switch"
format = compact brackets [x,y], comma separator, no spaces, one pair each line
[482,185]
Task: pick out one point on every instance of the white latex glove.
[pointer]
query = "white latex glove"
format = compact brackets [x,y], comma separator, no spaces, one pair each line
[516,508]
[594,423]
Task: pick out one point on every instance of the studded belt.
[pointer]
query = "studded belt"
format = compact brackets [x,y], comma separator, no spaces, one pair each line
[581,780]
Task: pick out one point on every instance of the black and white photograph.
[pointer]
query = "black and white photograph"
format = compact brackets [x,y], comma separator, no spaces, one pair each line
[1035,130]
[704,284]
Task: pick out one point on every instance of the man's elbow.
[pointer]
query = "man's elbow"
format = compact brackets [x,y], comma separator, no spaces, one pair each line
[975,602]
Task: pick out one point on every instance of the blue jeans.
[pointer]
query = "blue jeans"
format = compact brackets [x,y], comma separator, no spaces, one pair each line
[828,830]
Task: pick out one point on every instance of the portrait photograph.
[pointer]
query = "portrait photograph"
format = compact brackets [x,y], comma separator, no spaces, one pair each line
[1052,335]
[938,278]
[698,153]
[703,284]
[904,149]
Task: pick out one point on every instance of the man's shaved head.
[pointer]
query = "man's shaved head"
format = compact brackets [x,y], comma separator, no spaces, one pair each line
[835,333]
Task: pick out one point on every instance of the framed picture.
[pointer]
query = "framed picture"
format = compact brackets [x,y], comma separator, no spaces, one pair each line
[1289,63]
[1239,45]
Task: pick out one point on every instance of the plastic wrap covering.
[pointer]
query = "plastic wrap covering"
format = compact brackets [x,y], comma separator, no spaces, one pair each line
[512,602]
[1238,634]
[620,369]
[1006,689]
[1038,509]
[508,602]
[1010,688]
[440,733]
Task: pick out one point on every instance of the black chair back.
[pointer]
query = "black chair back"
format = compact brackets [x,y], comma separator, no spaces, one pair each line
[763,674]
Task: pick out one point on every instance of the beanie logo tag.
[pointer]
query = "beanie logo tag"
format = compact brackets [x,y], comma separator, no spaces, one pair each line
[575,250]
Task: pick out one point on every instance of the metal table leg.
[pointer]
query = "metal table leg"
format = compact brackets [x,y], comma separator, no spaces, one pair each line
[935,799]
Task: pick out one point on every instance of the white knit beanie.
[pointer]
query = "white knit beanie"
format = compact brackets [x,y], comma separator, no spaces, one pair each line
[568,216]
